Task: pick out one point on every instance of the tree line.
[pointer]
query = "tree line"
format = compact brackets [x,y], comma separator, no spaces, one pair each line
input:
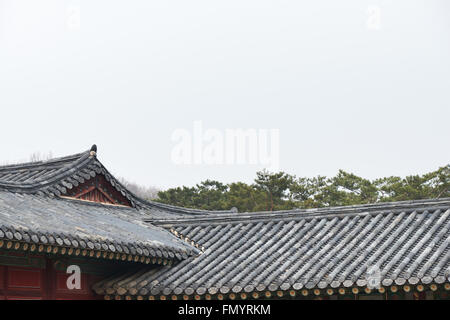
[282,191]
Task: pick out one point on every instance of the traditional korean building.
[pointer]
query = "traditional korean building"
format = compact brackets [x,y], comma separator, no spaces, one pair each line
[71,211]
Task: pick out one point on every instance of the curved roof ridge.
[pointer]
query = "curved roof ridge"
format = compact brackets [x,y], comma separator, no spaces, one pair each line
[376,208]
[186,210]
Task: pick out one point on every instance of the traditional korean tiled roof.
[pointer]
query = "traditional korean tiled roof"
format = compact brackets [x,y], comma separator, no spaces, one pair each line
[116,231]
[318,249]
[35,215]
[56,177]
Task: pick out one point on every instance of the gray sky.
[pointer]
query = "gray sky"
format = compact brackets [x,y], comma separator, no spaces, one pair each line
[358,85]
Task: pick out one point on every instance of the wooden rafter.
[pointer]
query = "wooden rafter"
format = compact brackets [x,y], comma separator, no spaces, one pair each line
[98,189]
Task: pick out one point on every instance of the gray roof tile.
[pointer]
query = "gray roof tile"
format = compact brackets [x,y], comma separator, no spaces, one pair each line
[330,247]
[71,223]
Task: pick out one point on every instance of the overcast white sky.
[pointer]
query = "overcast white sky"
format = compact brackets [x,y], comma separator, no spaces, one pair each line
[345,89]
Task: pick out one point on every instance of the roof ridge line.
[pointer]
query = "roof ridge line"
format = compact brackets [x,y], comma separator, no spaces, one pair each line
[306,213]
[26,165]
[184,209]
